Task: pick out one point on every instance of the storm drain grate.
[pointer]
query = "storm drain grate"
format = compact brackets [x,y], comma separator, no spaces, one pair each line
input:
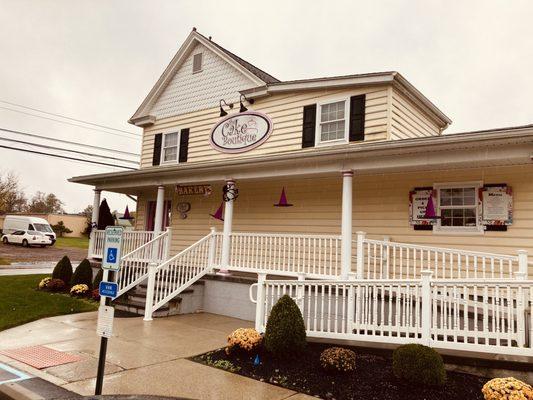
[40,357]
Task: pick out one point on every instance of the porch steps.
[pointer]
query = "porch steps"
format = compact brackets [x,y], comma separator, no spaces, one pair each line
[188,301]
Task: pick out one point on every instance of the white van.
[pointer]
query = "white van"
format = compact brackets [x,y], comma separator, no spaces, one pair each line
[14,223]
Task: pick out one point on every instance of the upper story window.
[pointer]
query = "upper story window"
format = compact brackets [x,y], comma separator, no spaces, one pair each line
[197,62]
[458,208]
[169,148]
[332,124]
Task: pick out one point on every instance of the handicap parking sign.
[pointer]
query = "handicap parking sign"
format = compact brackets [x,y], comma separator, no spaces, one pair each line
[111,255]
[112,248]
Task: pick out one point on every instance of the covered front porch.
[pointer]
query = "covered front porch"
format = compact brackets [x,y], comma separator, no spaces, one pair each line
[348,226]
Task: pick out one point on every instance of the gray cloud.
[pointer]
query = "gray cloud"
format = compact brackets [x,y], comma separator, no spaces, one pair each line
[97,60]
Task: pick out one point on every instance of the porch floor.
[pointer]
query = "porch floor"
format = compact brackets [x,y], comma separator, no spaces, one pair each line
[142,358]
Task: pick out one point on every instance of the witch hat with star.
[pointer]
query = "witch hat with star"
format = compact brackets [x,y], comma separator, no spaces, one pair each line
[283,200]
[218,213]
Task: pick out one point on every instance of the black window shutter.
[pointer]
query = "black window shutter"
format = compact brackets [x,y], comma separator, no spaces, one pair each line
[184,145]
[158,138]
[357,118]
[309,124]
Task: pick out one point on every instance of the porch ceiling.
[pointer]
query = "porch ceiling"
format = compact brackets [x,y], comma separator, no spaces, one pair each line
[500,148]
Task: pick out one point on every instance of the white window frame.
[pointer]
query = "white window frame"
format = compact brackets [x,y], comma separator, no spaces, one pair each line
[458,230]
[318,130]
[176,161]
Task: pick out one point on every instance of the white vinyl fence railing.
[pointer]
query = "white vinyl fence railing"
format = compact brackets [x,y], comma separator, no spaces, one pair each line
[132,240]
[473,315]
[317,256]
[168,279]
[134,265]
[382,259]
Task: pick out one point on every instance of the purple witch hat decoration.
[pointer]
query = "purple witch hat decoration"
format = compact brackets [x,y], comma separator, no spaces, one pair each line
[126,214]
[218,213]
[283,200]
[430,209]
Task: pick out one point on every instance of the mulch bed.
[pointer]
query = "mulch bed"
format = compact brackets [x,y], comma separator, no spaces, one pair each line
[372,379]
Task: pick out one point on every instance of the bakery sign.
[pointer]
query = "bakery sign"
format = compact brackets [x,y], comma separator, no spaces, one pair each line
[192,190]
[241,132]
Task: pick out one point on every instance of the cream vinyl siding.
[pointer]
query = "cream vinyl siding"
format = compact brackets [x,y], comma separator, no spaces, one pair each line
[286,111]
[188,91]
[380,208]
[408,120]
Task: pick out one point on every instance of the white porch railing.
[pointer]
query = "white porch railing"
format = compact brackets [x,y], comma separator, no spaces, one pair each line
[472,315]
[381,259]
[132,240]
[134,265]
[167,280]
[317,256]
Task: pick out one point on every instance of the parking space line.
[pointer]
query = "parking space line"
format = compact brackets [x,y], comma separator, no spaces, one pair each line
[20,375]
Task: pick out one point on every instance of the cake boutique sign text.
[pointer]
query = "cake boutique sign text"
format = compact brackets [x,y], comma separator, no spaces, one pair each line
[241,132]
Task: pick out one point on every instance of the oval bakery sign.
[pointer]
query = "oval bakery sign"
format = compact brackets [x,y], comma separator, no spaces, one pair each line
[241,132]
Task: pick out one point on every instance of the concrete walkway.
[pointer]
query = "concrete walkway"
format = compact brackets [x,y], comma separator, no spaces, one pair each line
[143,357]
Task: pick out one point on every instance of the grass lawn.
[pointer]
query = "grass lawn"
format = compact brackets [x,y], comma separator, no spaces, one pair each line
[80,243]
[21,302]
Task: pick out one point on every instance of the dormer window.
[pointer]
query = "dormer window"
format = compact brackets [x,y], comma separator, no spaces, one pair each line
[332,126]
[197,61]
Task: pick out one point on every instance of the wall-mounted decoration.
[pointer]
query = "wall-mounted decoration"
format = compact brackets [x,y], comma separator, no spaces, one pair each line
[218,213]
[497,206]
[192,190]
[241,132]
[283,200]
[183,208]
[127,214]
[422,206]
[230,192]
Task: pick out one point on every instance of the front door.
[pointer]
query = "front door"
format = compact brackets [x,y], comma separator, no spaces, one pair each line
[150,214]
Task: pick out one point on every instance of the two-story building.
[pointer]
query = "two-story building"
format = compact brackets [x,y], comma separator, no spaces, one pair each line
[326,178]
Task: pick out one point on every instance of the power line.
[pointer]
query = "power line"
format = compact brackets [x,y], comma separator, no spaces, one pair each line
[68,142]
[66,157]
[69,118]
[137,136]
[68,150]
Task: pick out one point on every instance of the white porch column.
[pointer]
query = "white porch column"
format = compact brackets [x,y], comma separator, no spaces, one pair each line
[94,220]
[226,234]
[159,208]
[346,224]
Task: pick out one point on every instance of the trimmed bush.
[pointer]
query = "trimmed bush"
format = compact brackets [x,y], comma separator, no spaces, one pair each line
[83,274]
[246,340]
[63,270]
[285,330]
[418,364]
[56,285]
[337,359]
[507,389]
[98,278]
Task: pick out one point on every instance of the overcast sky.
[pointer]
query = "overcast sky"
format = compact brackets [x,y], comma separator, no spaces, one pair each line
[96,61]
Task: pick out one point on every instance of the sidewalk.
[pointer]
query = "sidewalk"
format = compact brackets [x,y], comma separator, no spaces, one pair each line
[143,357]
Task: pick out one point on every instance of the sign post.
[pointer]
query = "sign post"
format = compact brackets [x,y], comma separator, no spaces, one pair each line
[108,290]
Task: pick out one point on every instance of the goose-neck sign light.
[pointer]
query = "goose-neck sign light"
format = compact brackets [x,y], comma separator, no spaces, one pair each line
[241,132]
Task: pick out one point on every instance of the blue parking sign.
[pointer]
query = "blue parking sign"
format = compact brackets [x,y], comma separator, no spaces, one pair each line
[108,289]
[111,255]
